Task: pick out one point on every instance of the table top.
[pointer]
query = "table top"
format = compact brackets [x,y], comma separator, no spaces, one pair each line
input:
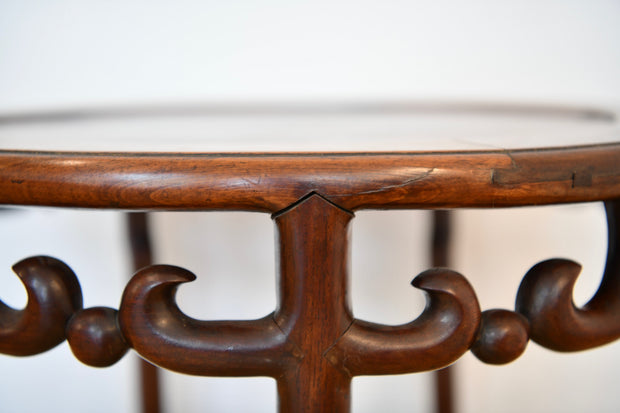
[265,158]
[309,128]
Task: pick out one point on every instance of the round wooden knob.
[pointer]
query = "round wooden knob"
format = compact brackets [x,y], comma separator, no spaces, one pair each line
[502,338]
[95,338]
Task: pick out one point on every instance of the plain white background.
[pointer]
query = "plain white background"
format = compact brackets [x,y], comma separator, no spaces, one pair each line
[68,54]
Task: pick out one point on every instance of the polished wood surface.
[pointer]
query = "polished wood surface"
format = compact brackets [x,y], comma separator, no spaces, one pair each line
[138,229]
[503,336]
[441,237]
[547,290]
[94,337]
[272,182]
[54,295]
[311,344]
[313,308]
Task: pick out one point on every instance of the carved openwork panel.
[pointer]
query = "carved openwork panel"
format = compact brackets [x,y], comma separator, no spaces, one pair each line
[311,343]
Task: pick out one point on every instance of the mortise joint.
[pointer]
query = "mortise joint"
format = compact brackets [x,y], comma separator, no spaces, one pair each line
[581,178]
[306,197]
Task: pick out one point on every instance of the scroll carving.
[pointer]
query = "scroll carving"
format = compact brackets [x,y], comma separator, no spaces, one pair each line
[444,331]
[158,330]
[545,297]
[546,313]
[54,294]
[312,335]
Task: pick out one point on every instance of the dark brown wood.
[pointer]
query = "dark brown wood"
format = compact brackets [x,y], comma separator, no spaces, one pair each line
[139,239]
[94,337]
[445,330]
[311,344]
[545,298]
[289,345]
[313,309]
[271,182]
[150,384]
[54,294]
[546,313]
[440,238]
[444,390]
[141,252]
[502,338]
[156,328]
[440,257]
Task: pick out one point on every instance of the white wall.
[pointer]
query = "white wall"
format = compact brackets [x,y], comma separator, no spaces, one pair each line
[69,54]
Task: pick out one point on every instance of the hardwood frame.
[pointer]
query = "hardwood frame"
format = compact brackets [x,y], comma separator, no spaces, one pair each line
[272,182]
[138,231]
[311,344]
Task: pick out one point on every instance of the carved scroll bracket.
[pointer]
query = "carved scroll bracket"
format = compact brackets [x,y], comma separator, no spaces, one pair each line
[545,298]
[546,313]
[312,336]
[54,295]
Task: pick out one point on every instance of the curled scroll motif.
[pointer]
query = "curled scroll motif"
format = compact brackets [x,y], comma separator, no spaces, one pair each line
[157,329]
[545,298]
[54,294]
[150,321]
[445,330]
[54,312]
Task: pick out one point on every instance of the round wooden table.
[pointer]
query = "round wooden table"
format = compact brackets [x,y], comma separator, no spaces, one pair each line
[311,167]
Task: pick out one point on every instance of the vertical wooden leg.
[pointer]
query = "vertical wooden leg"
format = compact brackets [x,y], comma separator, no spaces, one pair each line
[444,393]
[313,309]
[142,257]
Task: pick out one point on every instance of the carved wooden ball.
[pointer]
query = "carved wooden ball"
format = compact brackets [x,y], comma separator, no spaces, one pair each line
[95,338]
[502,338]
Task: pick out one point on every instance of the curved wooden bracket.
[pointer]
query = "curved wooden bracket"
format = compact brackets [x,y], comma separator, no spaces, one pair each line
[545,297]
[156,328]
[546,313]
[312,336]
[54,294]
[444,331]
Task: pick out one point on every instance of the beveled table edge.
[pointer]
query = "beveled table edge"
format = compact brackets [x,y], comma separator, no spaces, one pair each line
[269,182]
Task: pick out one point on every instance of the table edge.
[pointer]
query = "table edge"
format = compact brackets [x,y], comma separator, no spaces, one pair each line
[269,182]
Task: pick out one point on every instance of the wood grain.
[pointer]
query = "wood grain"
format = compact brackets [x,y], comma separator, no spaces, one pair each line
[443,332]
[54,295]
[155,327]
[138,231]
[313,304]
[272,182]
[545,298]
[311,344]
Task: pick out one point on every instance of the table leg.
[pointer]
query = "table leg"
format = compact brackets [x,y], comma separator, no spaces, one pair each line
[138,226]
[440,252]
